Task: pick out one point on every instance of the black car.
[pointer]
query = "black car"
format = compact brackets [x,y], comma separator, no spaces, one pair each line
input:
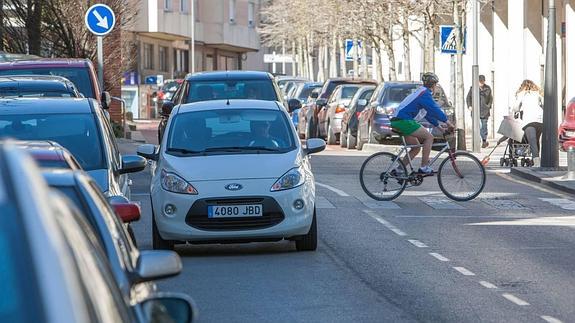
[37,86]
[350,120]
[223,85]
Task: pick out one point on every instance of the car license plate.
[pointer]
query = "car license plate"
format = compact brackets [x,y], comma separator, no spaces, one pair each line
[570,133]
[234,211]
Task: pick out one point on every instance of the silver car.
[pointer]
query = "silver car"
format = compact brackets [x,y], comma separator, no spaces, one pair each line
[337,104]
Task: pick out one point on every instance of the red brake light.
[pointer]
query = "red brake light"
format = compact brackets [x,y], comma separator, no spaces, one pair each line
[357,114]
[128,212]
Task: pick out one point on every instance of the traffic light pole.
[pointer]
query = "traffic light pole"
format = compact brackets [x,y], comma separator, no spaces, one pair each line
[549,144]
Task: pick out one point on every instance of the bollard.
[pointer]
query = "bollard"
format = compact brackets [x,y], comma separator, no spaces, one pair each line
[570,163]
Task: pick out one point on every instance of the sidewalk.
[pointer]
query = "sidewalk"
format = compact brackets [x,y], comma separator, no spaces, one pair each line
[554,178]
[144,131]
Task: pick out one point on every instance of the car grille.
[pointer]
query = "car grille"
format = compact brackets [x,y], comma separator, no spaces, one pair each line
[197,216]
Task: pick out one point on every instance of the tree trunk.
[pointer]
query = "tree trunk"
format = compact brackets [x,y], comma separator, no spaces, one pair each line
[342,62]
[333,57]
[33,26]
[376,59]
[310,52]
[320,64]
[459,22]
[2,25]
[406,50]
[305,57]
[364,70]
[300,59]
[293,55]
[429,41]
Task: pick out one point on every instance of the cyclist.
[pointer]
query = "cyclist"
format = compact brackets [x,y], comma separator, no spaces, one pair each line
[418,106]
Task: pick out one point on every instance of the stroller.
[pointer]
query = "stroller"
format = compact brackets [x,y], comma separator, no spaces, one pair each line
[517,146]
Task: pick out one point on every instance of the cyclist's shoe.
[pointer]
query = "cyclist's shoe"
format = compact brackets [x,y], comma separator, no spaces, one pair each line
[425,170]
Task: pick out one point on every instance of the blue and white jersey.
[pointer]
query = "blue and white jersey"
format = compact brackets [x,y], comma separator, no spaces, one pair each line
[420,105]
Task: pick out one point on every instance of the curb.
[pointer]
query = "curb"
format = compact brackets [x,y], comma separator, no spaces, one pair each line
[532,176]
[376,148]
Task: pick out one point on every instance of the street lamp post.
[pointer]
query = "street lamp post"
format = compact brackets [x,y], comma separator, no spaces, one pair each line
[475,75]
[549,146]
[193,38]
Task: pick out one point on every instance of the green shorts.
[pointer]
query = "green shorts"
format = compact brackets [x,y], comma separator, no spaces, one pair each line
[405,127]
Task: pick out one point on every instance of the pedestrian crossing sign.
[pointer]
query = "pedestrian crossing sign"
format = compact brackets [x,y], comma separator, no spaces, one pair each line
[351,50]
[448,43]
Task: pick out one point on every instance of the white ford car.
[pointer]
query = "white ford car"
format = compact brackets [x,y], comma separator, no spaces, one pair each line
[232,171]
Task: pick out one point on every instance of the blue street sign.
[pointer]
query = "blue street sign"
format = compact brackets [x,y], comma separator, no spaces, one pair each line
[100,19]
[349,49]
[448,43]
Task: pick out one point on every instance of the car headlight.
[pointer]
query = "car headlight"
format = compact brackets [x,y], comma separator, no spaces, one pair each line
[293,178]
[381,110]
[175,184]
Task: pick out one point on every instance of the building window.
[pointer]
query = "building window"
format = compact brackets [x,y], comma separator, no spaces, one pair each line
[232,11]
[181,60]
[148,56]
[163,55]
[251,12]
[185,6]
[168,5]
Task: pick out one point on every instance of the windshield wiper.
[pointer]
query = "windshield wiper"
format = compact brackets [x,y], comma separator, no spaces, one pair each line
[214,149]
[183,151]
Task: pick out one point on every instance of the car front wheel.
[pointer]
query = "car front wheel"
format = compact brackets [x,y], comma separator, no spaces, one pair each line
[308,242]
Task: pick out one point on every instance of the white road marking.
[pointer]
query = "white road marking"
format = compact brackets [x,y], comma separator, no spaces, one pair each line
[438,256]
[388,205]
[386,224]
[514,299]
[440,203]
[464,271]
[563,203]
[333,189]
[551,319]
[322,203]
[504,204]
[418,243]
[487,285]
[560,221]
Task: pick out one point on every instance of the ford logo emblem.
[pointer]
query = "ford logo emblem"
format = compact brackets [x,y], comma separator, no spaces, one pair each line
[234,187]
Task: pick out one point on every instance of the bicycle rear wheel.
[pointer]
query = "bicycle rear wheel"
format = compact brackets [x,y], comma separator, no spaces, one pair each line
[381,176]
[461,178]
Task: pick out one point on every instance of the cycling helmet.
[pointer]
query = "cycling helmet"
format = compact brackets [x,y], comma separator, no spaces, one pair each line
[429,79]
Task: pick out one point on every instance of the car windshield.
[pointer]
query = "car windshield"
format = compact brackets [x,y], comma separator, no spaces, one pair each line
[348,92]
[75,132]
[230,131]
[19,300]
[396,94]
[306,91]
[78,76]
[231,89]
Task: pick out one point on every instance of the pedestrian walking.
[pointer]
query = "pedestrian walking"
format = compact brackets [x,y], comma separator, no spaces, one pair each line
[529,104]
[485,103]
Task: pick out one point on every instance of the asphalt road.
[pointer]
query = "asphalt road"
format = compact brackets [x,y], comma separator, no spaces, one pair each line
[504,257]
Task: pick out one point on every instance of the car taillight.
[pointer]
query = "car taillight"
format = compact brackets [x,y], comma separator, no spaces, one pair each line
[161,95]
[357,114]
[339,109]
[128,212]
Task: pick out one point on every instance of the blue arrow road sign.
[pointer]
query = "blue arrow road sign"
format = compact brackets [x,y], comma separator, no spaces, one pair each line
[448,43]
[100,19]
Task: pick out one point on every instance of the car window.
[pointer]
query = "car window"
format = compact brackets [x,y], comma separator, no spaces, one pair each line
[231,89]
[366,95]
[78,75]
[110,139]
[96,277]
[306,91]
[335,95]
[348,91]
[35,93]
[76,132]
[231,131]
[396,94]
[19,292]
[376,96]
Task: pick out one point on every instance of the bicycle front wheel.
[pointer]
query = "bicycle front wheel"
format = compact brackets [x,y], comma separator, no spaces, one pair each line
[461,177]
[381,176]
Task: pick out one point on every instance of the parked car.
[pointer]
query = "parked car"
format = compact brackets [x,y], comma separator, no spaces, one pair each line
[302,93]
[79,126]
[330,117]
[50,154]
[232,172]
[80,71]
[57,267]
[567,127]
[223,85]
[311,120]
[285,83]
[168,89]
[303,111]
[350,117]
[37,86]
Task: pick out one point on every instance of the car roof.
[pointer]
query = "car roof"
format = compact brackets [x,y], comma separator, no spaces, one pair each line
[46,105]
[223,104]
[61,177]
[46,62]
[37,84]
[229,75]
[33,78]
[351,80]
[394,83]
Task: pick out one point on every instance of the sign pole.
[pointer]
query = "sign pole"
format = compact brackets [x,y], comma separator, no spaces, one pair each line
[100,60]
[193,38]
[475,71]
[549,145]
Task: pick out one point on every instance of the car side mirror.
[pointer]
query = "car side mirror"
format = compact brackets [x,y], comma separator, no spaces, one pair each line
[167,108]
[132,164]
[314,145]
[148,151]
[294,104]
[362,102]
[314,95]
[157,264]
[124,209]
[321,102]
[106,100]
[169,307]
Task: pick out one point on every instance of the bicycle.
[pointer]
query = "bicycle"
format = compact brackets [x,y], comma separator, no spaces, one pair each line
[461,176]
